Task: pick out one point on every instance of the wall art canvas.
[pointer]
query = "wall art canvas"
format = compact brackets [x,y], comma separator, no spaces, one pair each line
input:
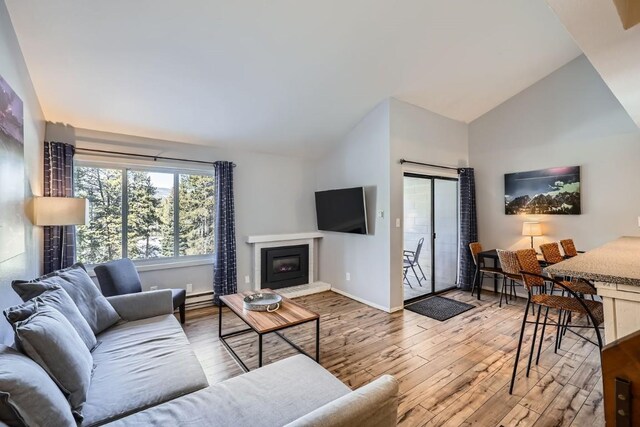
[12,174]
[552,191]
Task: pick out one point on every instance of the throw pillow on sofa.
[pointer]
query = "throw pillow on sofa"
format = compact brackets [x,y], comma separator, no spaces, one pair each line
[50,340]
[93,306]
[28,397]
[59,299]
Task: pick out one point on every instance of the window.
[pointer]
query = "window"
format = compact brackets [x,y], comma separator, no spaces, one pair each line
[144,214]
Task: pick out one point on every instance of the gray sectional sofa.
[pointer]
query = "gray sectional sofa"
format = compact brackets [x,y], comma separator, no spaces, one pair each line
[145,373]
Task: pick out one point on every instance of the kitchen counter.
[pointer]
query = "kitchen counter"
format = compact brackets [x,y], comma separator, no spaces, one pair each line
[616,262]
[615,270]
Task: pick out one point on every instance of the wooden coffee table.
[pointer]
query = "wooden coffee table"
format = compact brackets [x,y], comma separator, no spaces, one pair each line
[261,322]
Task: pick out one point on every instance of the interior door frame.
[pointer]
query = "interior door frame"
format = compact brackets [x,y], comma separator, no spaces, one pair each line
[433,236]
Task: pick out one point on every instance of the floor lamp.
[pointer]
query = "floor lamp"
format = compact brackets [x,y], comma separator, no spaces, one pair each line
[60,211]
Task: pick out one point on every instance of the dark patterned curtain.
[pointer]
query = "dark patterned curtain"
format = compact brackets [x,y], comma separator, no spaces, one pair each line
[468,227]
[224,254]
[59,241]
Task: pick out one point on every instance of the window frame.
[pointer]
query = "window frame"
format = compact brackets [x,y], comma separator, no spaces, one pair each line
[156,263]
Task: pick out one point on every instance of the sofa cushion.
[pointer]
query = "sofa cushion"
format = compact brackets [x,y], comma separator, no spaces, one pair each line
[94,307]
[140,364]
[59,299]
[273,395]
[27,395]
[50,340]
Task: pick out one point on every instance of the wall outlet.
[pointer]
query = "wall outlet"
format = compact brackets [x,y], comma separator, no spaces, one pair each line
[247,279]
[397,222]
[381,214]
[348,276]
[189,288]
[153,288]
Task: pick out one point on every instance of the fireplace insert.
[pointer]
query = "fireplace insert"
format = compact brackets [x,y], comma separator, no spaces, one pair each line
[285,266]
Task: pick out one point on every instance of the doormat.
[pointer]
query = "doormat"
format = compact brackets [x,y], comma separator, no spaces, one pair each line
[439,308]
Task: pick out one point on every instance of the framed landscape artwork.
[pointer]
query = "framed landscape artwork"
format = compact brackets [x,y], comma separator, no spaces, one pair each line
[552,191]
[12,178]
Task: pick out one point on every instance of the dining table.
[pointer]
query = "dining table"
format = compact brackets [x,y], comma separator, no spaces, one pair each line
[492,254]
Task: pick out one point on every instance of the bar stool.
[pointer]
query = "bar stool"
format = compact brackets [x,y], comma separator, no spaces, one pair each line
[574,304]
[476,248]
[551,253]
[510,273]
[569,248]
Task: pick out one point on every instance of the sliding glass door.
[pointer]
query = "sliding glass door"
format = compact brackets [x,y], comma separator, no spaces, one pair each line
[445,233]
[430,217]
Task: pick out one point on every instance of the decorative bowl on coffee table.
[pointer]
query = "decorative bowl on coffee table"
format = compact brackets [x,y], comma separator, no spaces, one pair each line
[262,301]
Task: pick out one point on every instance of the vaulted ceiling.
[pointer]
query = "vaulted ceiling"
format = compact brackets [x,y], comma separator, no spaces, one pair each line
[281,76]
[614,52]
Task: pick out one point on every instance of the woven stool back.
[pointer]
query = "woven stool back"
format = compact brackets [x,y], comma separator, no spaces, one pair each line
[529,262]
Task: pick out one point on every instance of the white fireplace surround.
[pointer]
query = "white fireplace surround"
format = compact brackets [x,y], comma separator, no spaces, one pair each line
[276,240]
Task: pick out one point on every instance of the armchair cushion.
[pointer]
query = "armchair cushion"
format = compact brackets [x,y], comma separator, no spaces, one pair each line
[118,277]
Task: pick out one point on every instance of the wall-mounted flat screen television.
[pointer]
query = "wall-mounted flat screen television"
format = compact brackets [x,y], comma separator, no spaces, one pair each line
[342,210]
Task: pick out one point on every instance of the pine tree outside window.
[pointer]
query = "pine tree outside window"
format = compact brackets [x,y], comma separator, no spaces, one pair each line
[144,214]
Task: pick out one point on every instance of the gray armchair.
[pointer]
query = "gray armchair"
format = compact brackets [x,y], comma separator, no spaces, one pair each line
[120,277]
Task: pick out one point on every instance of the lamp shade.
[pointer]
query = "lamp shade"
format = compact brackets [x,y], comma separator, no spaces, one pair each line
[531,229]
[60,211]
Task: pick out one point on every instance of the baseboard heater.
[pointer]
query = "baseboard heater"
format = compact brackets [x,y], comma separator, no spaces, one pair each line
[199,300]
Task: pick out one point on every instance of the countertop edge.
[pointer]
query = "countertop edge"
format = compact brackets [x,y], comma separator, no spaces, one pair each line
[596,277]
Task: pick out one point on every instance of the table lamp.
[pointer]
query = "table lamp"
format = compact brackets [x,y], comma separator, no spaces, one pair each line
[531,229]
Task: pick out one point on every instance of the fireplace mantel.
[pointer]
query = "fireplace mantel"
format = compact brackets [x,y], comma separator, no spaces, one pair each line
[274,240]
[281,237]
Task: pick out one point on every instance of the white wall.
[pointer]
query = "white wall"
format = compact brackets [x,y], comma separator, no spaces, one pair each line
[369,156]
[273,194]
[14,71]
[423,136]
[569,118]
[361,159]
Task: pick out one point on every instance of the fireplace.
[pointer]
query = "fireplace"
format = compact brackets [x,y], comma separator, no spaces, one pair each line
[284,266]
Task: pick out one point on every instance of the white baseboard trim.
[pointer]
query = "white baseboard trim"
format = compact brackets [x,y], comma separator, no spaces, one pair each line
[362,300]
[394,309]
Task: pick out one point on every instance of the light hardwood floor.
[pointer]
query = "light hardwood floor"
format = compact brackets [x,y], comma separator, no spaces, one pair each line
[451,373]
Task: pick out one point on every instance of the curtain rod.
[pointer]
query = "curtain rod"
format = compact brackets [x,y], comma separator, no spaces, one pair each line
[146,156]
[403,161]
